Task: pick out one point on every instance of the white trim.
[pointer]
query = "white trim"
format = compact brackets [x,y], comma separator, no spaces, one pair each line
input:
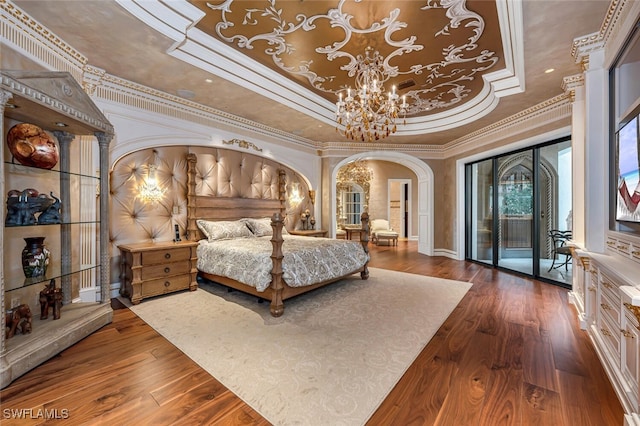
[409,182]
[446,253]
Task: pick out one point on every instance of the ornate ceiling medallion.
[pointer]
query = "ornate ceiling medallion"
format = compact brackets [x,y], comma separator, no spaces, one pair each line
[436,43]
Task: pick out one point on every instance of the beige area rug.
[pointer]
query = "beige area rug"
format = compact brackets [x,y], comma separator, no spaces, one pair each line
[333,356]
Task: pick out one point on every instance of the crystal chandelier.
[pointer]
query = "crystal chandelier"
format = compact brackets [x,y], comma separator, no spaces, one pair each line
[366,113]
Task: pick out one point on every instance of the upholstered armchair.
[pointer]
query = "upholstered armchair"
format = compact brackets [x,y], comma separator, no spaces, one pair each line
[378,226]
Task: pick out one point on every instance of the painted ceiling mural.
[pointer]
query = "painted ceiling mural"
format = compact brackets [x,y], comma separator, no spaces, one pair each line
[434,52]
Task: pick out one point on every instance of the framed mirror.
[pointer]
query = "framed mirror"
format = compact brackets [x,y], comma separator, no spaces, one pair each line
[352,192]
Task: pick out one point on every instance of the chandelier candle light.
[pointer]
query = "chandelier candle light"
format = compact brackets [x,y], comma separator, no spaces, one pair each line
[365,112]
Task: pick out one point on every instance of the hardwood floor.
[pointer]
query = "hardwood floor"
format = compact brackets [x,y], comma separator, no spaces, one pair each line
[511,353]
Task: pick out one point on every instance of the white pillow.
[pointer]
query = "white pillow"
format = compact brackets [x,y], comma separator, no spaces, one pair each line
[224,230]
[262,227]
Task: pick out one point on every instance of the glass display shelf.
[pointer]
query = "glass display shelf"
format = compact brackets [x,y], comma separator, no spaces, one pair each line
[53,273]
[11,166]
[38,225]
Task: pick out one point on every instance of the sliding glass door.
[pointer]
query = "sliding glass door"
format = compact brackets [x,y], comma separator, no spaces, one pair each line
[515,203]
[479,211]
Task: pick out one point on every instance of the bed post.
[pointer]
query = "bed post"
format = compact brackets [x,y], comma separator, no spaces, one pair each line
[277,306]
[282,190]
[192,230]
[364,240]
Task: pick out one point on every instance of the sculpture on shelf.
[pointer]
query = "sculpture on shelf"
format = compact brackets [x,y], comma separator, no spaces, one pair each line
[22,207]
[32,146]
[18,318]
[51,214]
[50,297]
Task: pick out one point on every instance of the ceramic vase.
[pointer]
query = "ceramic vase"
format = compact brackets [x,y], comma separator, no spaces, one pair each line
[35,257]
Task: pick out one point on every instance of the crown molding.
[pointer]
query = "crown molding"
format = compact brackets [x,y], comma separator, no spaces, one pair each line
[548,112]
[621,15]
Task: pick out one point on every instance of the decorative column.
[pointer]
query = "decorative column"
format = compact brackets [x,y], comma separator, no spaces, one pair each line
[596,155]
[574,85]
[64,140]
[105,265]
[4,98]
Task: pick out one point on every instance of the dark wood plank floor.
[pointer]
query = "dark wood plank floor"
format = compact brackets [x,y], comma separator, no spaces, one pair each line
[511,353]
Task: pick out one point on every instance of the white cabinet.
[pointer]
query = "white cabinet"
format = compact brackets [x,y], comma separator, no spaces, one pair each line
[78,240]
[610,314]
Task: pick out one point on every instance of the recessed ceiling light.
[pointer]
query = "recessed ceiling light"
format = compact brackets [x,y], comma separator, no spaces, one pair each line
[208,80]
[11,106]
[187,94]
[548,70]
[60,124]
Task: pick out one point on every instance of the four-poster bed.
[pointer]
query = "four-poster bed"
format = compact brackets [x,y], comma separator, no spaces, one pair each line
[207,210]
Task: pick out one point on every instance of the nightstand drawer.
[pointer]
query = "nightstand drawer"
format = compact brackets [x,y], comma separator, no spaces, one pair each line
[151,269]
[165,285]
[168,255]
[165,270]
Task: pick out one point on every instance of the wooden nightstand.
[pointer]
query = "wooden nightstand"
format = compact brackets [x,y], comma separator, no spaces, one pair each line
[151,269]
[309,232]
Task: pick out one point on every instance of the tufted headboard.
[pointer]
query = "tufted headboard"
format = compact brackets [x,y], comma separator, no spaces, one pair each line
[210,207]
[219,172]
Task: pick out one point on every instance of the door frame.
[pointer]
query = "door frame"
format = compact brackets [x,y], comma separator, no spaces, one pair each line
[407,182]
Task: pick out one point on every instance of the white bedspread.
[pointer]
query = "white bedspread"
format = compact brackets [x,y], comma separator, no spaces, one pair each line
[306,260]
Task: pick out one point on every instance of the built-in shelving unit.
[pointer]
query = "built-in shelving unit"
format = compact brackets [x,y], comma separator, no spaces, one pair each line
[78,244]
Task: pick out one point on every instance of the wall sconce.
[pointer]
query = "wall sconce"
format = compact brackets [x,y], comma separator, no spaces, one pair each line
[312,196]
[295,197]
[150,191]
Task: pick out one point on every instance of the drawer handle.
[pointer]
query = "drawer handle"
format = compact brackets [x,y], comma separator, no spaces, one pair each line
[611,243]
[607,285]
[605,306]
[167,283]
[592,288]
[605,332]
[166,270]
[167,255]
[635,253]
[627,333]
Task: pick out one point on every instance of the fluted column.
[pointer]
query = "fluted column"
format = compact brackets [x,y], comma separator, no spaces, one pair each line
[64,140]
[105,268]
[4,98]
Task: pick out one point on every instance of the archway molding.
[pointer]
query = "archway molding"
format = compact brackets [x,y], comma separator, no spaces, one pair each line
[424,174]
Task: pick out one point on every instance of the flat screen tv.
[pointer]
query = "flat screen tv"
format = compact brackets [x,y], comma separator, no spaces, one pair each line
[628,165]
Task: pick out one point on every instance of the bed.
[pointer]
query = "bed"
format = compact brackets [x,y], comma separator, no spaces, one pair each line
[250,231]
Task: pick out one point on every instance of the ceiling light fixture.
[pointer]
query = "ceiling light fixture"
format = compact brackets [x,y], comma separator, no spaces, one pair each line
[366,114]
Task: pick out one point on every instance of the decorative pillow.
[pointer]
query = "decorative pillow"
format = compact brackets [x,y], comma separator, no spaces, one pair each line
[224,230]
[262,227]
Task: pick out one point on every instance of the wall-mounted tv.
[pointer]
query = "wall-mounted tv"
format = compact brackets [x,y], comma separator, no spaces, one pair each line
[628,166]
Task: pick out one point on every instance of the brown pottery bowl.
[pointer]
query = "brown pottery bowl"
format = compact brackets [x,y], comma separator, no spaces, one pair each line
[32,146]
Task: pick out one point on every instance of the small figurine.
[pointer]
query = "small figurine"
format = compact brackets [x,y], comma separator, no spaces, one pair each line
[50,297]
[51,214]
[18,318]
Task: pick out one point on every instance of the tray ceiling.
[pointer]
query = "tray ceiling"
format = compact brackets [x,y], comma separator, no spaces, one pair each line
[463,64]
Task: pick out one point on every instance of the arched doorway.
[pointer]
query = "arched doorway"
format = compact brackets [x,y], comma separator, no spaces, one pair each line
[424,176]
